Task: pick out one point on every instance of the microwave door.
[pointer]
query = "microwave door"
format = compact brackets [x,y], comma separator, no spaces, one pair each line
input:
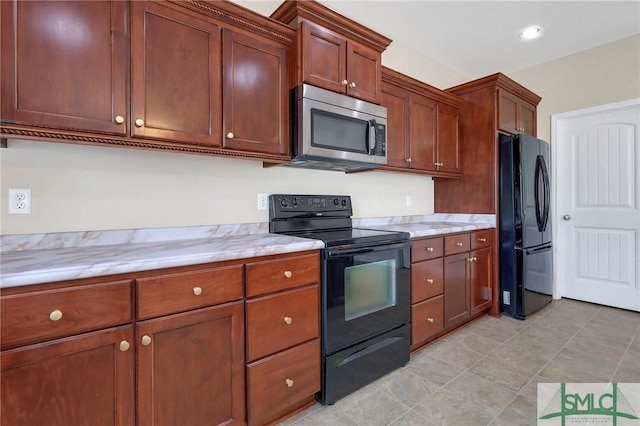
[331,131]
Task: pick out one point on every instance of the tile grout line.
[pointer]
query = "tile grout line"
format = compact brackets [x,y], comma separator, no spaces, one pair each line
[624,354]
[547,363]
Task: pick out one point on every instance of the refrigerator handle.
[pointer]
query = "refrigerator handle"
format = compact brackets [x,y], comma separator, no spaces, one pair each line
[536,192]
[547,195]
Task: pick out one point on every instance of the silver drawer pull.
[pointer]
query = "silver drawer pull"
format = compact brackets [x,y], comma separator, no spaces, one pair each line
[482,240]
[429,280]
[431,320]
[289,383]
[429,249]
[288,320]
[197,291]
[288,274]
[459,244]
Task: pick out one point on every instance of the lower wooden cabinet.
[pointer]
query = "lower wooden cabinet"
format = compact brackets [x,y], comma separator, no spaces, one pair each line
[451,282]
[191,367]
[80,380]
[164,347]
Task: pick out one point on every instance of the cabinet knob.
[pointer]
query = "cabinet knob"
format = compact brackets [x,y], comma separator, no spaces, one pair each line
[139,122]
[119,119]
[288,274]
[459,244]
[482,240]
[475,259]
[429,249]
[55,315]
[197,291]
[288,320]
[353,84]
[408,160]
[344,82]
[230,135]
[124,346]
[431,320]
[438,164]
[289,382]
[429,280]
[146,340]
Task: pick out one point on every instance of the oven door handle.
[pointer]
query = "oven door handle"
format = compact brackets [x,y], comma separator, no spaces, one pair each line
[349,252]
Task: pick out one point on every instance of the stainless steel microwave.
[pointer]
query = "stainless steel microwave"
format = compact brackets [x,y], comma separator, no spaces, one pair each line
[334,131]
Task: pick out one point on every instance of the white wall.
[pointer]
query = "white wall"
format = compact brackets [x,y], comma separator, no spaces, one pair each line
[602,75]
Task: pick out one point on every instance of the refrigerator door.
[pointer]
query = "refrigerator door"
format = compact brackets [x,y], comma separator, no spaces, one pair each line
[528,176]
[544,191]
[537,282]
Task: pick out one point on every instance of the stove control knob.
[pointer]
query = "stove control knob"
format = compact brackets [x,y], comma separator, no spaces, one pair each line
[284,202]
[336,201]
[344,202]
[294,201]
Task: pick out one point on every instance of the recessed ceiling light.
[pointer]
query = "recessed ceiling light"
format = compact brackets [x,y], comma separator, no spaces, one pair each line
[530,33]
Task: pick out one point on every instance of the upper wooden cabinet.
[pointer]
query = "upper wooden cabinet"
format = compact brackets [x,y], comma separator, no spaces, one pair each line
[255,94]
[492,104]
[515,115]
[422,126]
[200,77]
[64,65]
[175,75]
[334,52]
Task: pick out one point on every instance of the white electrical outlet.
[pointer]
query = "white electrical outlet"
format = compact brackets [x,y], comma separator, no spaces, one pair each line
[408,200]
[263,201]
[506,298]
[19,200]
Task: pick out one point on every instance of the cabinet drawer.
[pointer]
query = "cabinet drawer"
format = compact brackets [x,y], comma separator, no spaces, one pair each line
[454,244]
[426,319]
[281,381]
[481,239]
[283,320]
[425,249]
[426,280]
[44,315]
[282,273]
[173,293]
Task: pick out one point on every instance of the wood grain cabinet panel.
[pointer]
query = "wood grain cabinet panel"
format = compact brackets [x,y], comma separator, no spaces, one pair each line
[364,70]
[456,290]
[426,280]
[191,368]
[515,115]
[427,248]
[454,244]
[64,65]
[282,273]
[167,294]
[397,103]
[277,382]
[426,319]
[448,139]
[175,75]
[282,320]
[480,277]
[255,94]
[42,315]
[324,57]
[422,133]
[81,380]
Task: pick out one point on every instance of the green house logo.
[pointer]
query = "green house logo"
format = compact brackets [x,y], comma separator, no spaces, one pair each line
[588,403]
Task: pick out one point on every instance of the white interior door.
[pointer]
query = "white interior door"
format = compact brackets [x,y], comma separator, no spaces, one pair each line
[597,187]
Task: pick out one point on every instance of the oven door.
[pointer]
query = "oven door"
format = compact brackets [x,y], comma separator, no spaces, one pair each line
[366,292]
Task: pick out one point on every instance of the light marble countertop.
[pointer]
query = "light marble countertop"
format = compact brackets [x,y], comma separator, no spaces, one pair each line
[40,258]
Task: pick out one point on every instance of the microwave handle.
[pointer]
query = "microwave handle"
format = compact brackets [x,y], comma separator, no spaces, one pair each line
[373,130]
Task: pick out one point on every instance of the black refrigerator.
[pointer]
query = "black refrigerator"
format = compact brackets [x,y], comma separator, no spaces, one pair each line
[526,282]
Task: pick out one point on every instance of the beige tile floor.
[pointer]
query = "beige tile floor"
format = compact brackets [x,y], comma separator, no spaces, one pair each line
[487,373]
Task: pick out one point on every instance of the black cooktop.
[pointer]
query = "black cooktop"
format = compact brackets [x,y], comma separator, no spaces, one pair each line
[355,237]
[326,218]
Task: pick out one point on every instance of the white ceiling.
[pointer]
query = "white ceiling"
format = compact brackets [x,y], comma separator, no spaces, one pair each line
[477,38]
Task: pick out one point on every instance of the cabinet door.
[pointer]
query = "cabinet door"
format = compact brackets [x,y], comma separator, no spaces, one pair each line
[480,280]
[508,112]
[175,74]
[80,380]
[64,64]
[256,95]
[324,57]
[364,72]
[191,368]
[456,290]
[426,319]
[527,118]
[422,133]
[448,139]
[397,103]
[426,280]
